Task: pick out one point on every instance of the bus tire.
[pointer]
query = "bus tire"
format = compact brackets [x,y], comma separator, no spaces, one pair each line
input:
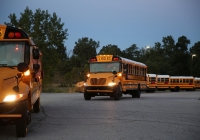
[172,90]
[138,93]
[36,106]
[21,125]
[87,96]
[133,93]
[117,92]
[177,89]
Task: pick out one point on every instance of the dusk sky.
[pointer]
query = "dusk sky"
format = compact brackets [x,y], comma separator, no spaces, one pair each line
[118,22]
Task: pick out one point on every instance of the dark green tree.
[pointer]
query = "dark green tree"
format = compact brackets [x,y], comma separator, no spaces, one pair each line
[110,49]
[195,59]
[48,34]
[132,52]
[84,49]
[181,57]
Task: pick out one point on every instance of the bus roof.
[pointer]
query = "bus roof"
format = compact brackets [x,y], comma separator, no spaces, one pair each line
[163,76]
[151,75]
[132,61]
[181,77]
[197,78]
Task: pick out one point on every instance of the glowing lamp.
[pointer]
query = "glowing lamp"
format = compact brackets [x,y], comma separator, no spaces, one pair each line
[18,35]
[27,73]
[93,59]
[16,48]
[115,59]
[11,35]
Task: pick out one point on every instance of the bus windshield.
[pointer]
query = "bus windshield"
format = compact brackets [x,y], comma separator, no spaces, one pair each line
[11,53]
[105,67]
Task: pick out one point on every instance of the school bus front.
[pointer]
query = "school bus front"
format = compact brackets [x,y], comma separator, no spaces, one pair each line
[113,76]
[20,78]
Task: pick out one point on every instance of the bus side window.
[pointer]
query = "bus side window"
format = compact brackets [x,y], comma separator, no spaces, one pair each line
[124,68]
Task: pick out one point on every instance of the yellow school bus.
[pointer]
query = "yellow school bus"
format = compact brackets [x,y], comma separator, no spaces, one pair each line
[20,78]
[163,82]
[178,83]
[197,82]
[151,83]
[113,76]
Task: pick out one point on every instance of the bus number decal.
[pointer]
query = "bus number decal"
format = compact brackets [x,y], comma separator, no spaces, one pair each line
[105,58]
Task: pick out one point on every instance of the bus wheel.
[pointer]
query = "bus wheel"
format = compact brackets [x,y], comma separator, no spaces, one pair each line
[138,93]
[177,89]
[21,125]
[36,106]
[117,92]
[133,94]
[87,95]
[172,90]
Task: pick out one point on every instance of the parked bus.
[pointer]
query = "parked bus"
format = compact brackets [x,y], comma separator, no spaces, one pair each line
[163,82]
[113,76]
[20,78]
[178,83]
[151,83]
[197,82]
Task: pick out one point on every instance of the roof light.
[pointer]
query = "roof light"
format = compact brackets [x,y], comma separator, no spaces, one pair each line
[93,59]
[115,58]
[17,34]
[11,35]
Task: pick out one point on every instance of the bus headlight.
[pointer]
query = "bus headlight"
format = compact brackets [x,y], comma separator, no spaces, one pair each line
[111,84]
[12,97]
[27,73]
[85,84]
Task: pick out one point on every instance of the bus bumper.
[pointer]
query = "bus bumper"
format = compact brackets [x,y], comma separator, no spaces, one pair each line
[11,111]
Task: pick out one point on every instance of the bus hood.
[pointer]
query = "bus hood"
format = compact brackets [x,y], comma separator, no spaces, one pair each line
[101,79]
[7,81]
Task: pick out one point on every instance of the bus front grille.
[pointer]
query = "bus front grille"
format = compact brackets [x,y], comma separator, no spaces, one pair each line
[99,81]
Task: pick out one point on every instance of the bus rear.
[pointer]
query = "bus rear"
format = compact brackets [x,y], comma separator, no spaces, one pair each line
[163,82]
[151,83]
[197,82]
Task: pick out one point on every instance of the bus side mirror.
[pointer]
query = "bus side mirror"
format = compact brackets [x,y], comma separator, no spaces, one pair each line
[36,53]
[36,67]
[114,72]
[22,67]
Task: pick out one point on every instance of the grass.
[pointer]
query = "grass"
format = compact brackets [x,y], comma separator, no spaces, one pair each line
[57,89]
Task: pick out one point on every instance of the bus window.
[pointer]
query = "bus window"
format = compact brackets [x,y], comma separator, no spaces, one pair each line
[105,67]
[12,53]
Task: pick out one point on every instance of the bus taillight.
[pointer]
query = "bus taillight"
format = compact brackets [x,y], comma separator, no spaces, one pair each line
[152,82]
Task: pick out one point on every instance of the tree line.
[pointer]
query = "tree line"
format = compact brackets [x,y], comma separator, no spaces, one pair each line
[67,67]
